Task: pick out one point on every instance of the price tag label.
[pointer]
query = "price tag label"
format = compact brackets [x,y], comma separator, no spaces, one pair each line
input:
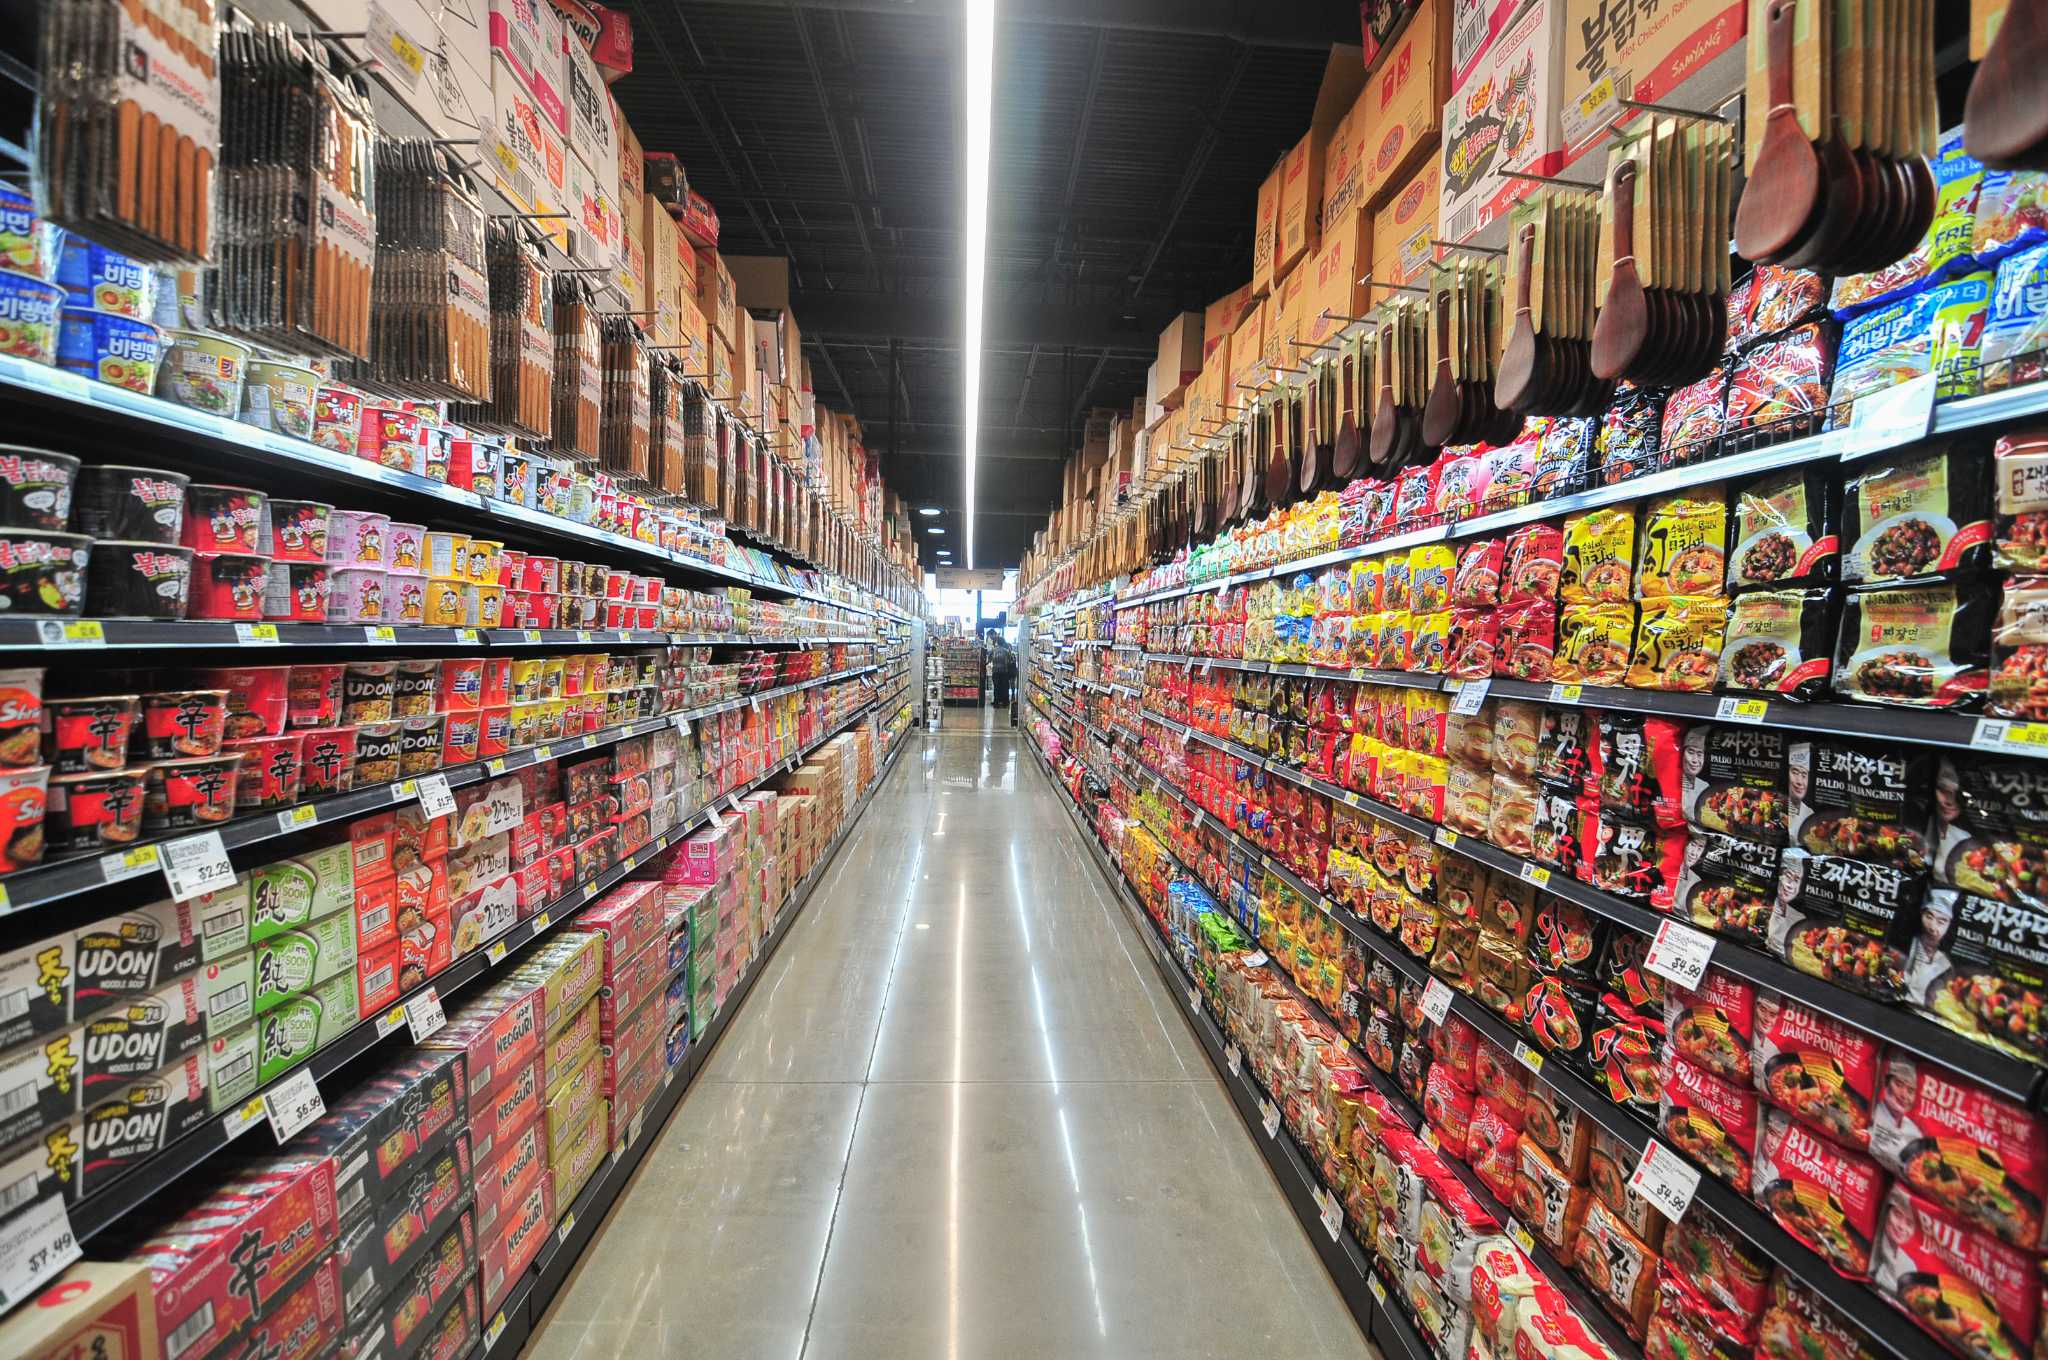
[1665,1179]
[1566,694]
[1470,696]
[34,1245]
[533,635]
[1534,873]
[404,789]
[1528,1057]
[297,818]
[256,634]
[1890,418]
[543,754]
[423,1013]
[74,633]
[542,921]
[1269,1117]
[1379,1291]
[1233,1058]
[1742,710]
[1436,1001]
[495,765]
[1194,998]
[584,635]
[1256,959]
[436,798]
[196,864]
[1582,117]
[380,633]
[717,821]
[1521,1235]
[1680,953]
[2017,738]
[238,1122]
[128,864]
[1350,798]
[1333,1215]
[496,952]
[406,59]
[494,1331]
[292,1104]
[467,635]
[568,1226]
[1446,837]
[389,1021]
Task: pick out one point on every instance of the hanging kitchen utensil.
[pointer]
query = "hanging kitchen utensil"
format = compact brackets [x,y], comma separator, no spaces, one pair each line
[2005,117]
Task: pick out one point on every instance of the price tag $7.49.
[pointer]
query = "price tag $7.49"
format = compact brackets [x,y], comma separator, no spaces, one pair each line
[35,1245]
[424,1014]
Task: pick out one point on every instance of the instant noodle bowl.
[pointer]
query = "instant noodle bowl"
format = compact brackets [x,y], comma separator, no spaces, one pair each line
[496,688]
[203,371]
[269,776]
[494,734]
[445,604]
[419,745]
[446,555]
[22,796]
[356,594]
[473,465]
[29,312]
[460,737]
[28,244]
[405,598]
[297,530]
[391,438]
[101,810]
[117,350]
[315,695]
[327,761]
[90,734]
[229,586]
[355,538]
[138,581]
[94,277]
[297,592]
[369,691]
[194,792]
[418,683]
[21,717]
[484,560]
[1976,1155]
[1918,514]
[43,573]
[182,723]
[256,698]
[404,549]
[377,753]
[223,519]
[278,397]
[337,418]
[35,488]
[131,504]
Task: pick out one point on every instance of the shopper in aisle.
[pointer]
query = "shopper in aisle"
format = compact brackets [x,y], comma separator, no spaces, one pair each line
[957,1116]
[1002,666]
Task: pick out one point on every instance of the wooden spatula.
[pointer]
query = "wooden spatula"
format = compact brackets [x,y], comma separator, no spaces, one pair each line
[1784,189]
[2005,118]
[1624,321]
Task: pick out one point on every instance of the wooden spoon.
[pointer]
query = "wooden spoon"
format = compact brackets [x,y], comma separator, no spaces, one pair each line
[2005,117]
[1444,406]
[1784,188]
[1344,456]
[1521,373]
[1624,322]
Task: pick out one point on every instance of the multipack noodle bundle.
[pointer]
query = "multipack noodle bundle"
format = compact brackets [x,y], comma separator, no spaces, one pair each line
[429,309]
[627,427]
[522,345]
[130,125]
[298,224]
[579,367]
[666,438]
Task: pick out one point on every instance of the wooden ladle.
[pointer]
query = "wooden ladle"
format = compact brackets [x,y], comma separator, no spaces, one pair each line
[1624,320]
[1784,189]
[2005,117]
[1443,410]
[1521,362]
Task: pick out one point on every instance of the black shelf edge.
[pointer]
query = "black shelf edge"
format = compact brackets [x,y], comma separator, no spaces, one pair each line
[71,637]
[45,884]
[95,1214]
[508,1328]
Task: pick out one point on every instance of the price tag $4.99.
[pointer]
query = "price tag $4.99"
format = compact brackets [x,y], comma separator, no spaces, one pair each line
[1679,954]
[1665,1179]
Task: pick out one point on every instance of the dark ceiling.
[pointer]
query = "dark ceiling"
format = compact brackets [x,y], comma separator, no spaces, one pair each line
[1130,140]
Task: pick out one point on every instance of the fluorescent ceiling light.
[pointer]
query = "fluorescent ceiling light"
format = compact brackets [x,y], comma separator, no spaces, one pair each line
[978,84]
[935,529]
[927,510]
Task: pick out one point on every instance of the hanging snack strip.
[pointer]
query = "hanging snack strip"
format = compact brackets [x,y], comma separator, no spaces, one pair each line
[1663,265]
[430,332]
[700,448]
[579,368]
[117,159]
[1546,363]
[628,425]
[522,349]
[1838,175]
[297,220]
[666,438]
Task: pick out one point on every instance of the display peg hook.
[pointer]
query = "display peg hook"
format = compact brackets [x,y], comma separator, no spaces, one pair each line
[1672,110]
[1547,179]
[1329,315]
[1468,250]
[1369,282]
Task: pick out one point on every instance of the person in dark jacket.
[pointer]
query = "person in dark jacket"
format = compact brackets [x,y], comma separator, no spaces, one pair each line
[1002,669]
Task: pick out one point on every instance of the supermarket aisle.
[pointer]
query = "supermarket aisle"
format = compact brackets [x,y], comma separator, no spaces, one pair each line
[959,1116]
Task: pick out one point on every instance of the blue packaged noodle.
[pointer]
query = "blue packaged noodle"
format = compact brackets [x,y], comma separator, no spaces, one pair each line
[2016,329]
[1939,330]
[2012,214]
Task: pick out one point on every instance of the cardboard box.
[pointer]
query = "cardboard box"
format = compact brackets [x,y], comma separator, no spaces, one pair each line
[593,130]
[510,1106]
[1332,290]
[518,1164]
[1248,356]
[293,962]
[1404,230]
[110,960]
[1474,26]
[1512,88]
[384,1324]
[1286,320]
[662,293]
[292,893]
[1344,160]
[1301,203]
[1612,53]
[717,296]
[1180,356]
[1403,103]
[522,1230]
[526,155]
[1266,231]
[528,39]
[101,1309]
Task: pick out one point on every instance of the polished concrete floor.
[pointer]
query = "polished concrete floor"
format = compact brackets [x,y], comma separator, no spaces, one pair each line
[959,1116]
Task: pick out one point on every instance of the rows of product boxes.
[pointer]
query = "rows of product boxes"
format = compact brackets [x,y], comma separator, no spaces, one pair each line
[408,1212]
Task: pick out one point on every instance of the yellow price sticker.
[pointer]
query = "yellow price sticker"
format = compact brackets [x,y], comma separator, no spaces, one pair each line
[542,922]
[496,765]
[1521,1235]
[85,630]
[305,814]
[1537,874]
[584,635]
[1602,93]
[382,633]
[1756,708]
[465,635]
[1446,837]
[496,953]
[408,53]
[544,753]
[1528,1057]
[1350,798]
[533,635]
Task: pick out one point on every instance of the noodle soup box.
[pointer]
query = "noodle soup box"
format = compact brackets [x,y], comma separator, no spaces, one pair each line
[1503,115]
[97,1309]
[296,892]
[1636,51]
[123,956]
[525,153]
[290,1033]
